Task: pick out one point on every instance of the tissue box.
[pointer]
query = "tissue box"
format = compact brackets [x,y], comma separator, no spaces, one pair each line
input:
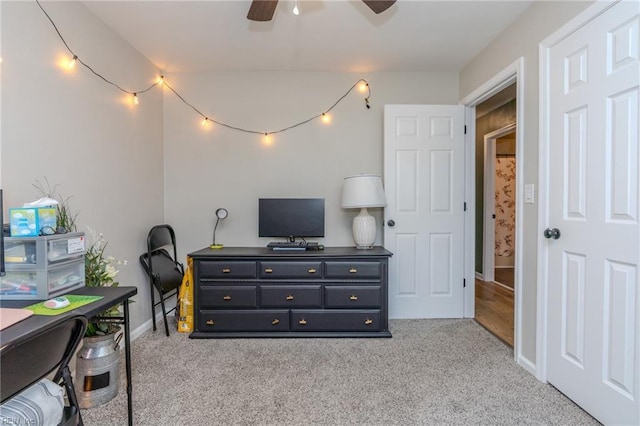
[28,221]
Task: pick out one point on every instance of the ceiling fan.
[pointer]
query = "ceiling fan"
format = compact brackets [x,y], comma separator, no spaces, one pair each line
[262,10]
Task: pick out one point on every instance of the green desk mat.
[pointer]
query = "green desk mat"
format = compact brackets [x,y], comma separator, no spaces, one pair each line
[75,302]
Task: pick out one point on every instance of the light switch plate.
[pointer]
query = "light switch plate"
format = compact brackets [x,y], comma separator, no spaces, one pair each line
[529,193]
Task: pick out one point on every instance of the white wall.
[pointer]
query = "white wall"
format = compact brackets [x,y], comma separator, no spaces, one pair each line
[219,167]
[79,132]
[521,40]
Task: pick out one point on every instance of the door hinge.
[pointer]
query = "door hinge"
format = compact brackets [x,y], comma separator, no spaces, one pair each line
[465,206]
[465,129]
[464,282]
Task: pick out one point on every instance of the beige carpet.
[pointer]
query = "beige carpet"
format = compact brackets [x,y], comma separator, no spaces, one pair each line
[432,372]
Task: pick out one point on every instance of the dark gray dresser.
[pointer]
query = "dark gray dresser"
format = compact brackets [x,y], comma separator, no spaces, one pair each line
[259,292]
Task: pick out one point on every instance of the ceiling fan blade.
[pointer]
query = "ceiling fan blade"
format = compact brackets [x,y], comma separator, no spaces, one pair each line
[262,10]
[379,6]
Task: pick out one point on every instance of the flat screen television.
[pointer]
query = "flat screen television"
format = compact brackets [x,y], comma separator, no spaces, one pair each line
[291,217]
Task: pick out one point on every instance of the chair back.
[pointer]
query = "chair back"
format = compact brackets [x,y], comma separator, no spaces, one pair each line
[164,270]
[28,360]
[161,236]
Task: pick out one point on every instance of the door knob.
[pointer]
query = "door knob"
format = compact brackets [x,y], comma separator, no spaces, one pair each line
[552,233]
[391,223]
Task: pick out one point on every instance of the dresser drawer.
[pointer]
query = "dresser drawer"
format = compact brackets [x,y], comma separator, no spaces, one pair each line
[335,320]
[227,297]
[353,270]
[352,296]
[243,320]
[277,296]
[278,269]
[227,269]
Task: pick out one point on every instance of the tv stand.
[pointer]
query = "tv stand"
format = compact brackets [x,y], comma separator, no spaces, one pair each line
[257,292]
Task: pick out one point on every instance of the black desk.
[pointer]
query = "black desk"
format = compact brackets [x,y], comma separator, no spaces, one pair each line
[111,296]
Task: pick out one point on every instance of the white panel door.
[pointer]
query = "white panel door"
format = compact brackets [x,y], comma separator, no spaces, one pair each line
[424,218]
[593,297]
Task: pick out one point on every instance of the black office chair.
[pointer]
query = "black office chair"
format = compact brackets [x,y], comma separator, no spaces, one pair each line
[164,270]
[33,357]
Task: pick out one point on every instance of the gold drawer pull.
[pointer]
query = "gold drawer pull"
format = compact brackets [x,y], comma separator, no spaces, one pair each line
[312,270]
[226,298]
[275,321]
[303,321]
[210,322]
[226,270]
[268,270]
[289,297]
[368,321]
[353,297]
[353,270]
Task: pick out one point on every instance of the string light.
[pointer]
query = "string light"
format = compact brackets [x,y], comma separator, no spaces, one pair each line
[267,139]
[72,62]
[362,85]
[296,11]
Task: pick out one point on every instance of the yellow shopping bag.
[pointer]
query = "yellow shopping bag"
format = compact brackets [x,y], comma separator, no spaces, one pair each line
[185,300]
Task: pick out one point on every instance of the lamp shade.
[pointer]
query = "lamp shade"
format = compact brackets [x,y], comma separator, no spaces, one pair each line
[363,191]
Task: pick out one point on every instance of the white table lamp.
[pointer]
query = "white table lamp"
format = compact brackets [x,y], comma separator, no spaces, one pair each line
[362,192]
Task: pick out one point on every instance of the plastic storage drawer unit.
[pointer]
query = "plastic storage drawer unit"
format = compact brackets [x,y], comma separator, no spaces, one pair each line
[42,267]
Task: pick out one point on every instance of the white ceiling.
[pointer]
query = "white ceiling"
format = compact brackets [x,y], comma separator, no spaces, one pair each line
[329,35]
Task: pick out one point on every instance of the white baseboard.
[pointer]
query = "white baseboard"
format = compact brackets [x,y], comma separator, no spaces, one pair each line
[527,365]
[148,325]
[504,262]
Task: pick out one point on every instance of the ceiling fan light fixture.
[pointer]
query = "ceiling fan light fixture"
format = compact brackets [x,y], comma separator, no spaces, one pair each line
[263,10]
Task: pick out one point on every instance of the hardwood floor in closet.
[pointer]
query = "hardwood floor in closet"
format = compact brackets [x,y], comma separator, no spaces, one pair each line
[494,310]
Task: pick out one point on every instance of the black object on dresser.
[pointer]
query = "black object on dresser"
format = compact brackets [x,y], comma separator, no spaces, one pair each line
[258,292]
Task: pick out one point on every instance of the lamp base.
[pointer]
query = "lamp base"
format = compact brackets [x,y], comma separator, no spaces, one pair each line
[364,230]
[216,246]
[364,247]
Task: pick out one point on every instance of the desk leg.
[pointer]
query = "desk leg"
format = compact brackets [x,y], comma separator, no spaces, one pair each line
[127,343]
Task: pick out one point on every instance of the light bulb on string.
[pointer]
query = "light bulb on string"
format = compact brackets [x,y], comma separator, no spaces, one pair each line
[136,101]
[72,63]
[205,122]
[267,139]
[363,86]
[296,11]
[160,80]
[326,118]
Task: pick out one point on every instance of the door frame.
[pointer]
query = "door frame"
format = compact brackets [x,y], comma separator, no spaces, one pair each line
[544,51]
[489,223]
[513,73]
